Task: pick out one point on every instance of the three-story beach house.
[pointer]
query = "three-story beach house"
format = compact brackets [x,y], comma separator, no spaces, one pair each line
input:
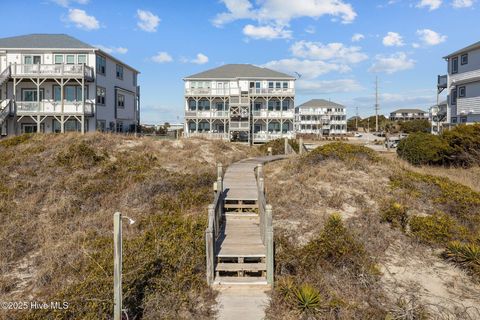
[240,102]
[56,83]
[463,85]
[321,117]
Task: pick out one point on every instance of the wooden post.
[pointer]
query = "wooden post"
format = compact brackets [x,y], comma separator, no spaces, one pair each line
[219,170]
[260,171]
[269,243]
[300,146]
[209,245]
[270,152]
[261,184]
[117,263]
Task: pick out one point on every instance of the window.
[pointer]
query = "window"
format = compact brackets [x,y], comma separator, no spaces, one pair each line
[285,85]
[278,85]
[101,93]
[82,59]
[257,106]
[454,96]
[270,105]
[462,92]
[119,126]
[120,100]
[71,93]
[70,59]
[119,72]
[463,120]
[101,65]
[455,65]
[219,106]
[58,59]
[192,104]
[270,85]
[285,105]
[30,95]
[101,125]
[32,59]
[454,120]
[464,59]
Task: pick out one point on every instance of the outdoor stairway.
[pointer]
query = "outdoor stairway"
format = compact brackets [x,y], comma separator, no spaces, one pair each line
[4,110]
[240,227]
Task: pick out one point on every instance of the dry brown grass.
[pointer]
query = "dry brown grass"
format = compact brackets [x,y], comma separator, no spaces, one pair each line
[58,194]
[303,197]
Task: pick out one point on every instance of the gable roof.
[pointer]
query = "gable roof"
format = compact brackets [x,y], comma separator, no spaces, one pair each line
[43,41]
[320,103]
[234,71]
[408,111]
[474,46]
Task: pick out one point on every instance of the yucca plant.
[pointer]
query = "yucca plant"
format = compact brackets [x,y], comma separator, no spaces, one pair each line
[287,287]
[308,298]
[466,255]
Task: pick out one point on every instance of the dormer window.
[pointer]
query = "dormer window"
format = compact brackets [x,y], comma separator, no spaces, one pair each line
[464,59]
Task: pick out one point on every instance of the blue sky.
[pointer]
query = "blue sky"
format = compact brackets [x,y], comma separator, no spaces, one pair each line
[338,46]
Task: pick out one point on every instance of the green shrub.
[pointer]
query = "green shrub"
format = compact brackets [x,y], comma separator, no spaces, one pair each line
[339,151]
[423,148]
[464,142]
[308,298]
[467,255]
[15,141]
[415,126]
[79,155]
[436,229]
[395,214]
[278,146]
[337,246]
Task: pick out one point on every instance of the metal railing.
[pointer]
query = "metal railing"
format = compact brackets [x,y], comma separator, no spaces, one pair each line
[239,125]
[215,220]
[266,226]
[272,91]
[5,75]
[53,70]
[5,109]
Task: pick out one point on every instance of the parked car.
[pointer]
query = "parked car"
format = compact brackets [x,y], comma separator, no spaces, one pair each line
[392,142]
[358,135]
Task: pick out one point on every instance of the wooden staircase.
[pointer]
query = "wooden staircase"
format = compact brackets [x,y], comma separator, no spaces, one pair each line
[239,237]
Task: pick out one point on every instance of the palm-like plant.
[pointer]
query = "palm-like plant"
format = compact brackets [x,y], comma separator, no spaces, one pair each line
[308,298]
[465,254]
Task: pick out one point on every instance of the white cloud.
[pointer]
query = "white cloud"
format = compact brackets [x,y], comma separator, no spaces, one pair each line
[66,3]
[430,37]
[309,69]
[200,59]
[392,63]
[278,14]
[430,4]
[112,50]
[357,37]
[332,51]
[147,20]
[327,86]
[393,39]
[266,32]
[462,3]
[162,57]
[82,20]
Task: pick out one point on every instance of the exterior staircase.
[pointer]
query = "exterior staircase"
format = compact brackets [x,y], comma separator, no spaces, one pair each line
[5,76]
[4,111]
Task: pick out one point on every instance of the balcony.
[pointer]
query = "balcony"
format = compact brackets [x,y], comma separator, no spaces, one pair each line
[442,82]
[272,92]
[50,107]
[239,125]
[207,114]
[52,71]
[223,92]
[289,114]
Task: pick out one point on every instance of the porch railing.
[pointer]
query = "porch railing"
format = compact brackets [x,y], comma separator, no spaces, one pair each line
[266,226]
[215,220]
[55,70]
[50,106]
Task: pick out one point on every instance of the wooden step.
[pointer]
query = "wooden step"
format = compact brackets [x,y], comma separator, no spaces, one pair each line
[240,280]
[232,267]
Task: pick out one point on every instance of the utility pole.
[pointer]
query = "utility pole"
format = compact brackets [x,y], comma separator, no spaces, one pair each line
[376,104]
[356,118]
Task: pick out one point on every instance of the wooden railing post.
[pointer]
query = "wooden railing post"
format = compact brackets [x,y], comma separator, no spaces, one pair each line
[260,171]
[210,244]
[286,146]
[300,146]
[269,243]
[261,185]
